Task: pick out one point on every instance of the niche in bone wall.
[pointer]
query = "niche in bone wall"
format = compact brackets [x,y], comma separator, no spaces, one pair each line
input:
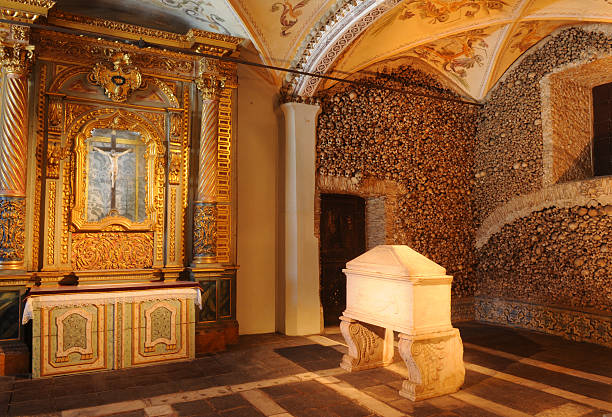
[423,145]
[509,140]
[555,256]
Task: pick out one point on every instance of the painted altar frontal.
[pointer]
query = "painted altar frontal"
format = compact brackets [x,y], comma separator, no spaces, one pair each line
[95,328]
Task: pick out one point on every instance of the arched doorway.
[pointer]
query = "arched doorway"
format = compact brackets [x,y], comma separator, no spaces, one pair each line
[342,238]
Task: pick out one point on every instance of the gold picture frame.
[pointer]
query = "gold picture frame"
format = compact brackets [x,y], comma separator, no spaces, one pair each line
[154,156]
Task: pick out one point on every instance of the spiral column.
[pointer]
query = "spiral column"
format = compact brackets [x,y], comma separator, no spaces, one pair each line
[14,62]
[205,207]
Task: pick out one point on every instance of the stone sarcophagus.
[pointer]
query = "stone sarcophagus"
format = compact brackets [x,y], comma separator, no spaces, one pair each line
[394,288]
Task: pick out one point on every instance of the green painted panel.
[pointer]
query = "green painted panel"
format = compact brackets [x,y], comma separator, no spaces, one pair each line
[225,298]
[209,301]
[9,314]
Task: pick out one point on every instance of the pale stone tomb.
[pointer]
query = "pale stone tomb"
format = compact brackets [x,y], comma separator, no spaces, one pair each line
[394,288]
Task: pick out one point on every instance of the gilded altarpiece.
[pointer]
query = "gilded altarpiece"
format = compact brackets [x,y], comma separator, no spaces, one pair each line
[114,139]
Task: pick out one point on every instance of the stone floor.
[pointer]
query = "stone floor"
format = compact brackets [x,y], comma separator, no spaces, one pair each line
[508,373]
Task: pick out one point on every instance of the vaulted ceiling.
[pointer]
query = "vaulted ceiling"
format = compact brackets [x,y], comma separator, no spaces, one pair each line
[470,43]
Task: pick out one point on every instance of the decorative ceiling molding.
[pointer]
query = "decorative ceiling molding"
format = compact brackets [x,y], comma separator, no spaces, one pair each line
[328,39]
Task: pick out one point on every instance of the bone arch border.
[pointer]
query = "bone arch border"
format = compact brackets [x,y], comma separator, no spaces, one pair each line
[152,137]
[331,37]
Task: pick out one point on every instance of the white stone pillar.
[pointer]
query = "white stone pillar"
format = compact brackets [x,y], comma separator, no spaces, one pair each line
[301,274]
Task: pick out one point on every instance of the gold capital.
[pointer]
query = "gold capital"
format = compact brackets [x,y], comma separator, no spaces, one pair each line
[16,59]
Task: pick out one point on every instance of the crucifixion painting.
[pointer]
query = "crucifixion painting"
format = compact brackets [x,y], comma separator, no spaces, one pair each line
[116,175]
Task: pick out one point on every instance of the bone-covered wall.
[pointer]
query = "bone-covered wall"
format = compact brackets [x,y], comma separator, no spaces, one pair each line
[414,151]
[543,224]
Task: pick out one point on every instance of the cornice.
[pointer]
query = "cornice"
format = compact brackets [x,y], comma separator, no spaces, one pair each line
[24,10]
[197,40]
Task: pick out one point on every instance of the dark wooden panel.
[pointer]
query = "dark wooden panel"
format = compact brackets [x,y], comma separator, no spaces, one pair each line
[602,129]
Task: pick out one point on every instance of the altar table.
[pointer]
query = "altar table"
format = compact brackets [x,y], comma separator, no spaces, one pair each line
[89,328]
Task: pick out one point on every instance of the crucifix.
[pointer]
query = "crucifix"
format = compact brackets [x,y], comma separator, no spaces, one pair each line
[111,152]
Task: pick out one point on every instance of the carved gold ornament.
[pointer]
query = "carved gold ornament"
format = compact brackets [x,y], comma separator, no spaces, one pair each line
[16,59]
[112,250]
[119,80]
[174,170]
[210,80]
[12,229]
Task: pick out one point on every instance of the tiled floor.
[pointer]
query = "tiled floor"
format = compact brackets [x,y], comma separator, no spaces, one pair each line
[509,373]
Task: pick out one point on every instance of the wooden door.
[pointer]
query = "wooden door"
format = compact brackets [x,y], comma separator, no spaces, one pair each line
[602,129]
[342,239]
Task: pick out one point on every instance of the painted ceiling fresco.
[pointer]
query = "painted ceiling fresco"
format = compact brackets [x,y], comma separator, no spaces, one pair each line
[469,42]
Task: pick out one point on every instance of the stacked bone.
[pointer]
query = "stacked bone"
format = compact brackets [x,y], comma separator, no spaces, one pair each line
[553,256]
[425,145]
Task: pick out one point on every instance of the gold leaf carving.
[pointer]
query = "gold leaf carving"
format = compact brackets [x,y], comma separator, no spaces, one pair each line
[12,229]
[40,137]
[51,227]
[158,119]
[119,80]
[176,125]
[55,113]
[75,110]
[71,49]
[107,250]
[174,171]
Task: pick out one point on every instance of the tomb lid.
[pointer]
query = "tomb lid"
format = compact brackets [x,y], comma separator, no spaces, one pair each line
[395,260]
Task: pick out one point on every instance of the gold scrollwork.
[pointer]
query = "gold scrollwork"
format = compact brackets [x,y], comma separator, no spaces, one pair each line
[109,250]
[119,80]
[204,232]
[70,49]
[176,126]
[51,222]
[174,170]
[54,156]
[12,230]
[74,110]
[55,113]
[158,119]
[20,33]
[165,88]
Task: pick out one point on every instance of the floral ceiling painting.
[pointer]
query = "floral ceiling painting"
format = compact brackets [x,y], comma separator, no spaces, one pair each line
[463,57]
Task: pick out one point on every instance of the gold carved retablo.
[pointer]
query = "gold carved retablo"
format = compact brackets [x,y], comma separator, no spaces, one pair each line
[120,80]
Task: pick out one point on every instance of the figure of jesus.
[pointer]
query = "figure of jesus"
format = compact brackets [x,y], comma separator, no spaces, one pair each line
[113,158]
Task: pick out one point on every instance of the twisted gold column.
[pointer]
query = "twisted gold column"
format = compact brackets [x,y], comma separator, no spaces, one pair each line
[207,168]
[205,208]
[13,154]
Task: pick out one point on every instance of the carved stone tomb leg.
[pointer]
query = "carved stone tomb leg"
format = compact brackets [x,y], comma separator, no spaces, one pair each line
[435,364]
[369,347]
